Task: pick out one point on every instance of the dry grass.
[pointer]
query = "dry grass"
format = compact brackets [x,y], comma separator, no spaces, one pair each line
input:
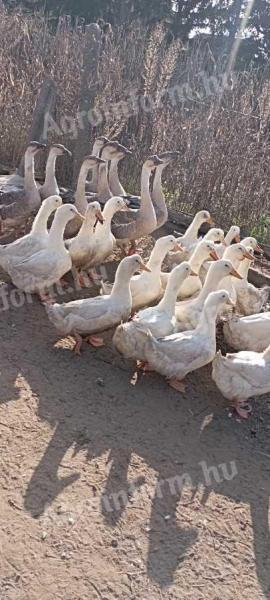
[223,139]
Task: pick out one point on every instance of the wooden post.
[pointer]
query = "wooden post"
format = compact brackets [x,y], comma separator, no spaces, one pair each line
[45,104]
[92,49]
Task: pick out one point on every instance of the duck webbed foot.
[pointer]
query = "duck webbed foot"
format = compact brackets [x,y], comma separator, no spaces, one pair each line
[144,366]
[78,343]
[95,341]
[242,408]
[132,249]
[177,385]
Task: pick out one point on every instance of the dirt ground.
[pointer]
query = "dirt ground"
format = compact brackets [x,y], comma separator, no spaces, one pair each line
[91,506]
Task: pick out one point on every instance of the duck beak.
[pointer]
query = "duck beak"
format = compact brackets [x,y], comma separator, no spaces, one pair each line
[231,302]
[100,217]
[235,273]
[248,255]
[237,238]
[259,249]
[214,255]
[177,247]
[193,273]
[66,151]
[210,221]
[144,267]
[78,214]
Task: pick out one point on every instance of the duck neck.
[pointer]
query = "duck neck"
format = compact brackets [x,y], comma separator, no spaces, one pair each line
[103,190]
[196,260]
[158,197]
[146,200]
[207,322]
[50,178]
[40,222]
[229,238]
[80,198]
[192,231]
[167,304]
[114,181]
[29,172]
[121,286]
[108,213]
[244,267]
[56,233]
[87,228]
[210,285]
[156,259]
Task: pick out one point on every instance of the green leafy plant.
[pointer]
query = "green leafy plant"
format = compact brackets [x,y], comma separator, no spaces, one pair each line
[261,231]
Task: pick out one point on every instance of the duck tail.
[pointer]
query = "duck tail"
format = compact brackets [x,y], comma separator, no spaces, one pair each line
[130,339]
[217,364]
[54,313]
[265,293]
[266,354]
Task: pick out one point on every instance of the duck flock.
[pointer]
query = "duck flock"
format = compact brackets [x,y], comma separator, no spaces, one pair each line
[164,320]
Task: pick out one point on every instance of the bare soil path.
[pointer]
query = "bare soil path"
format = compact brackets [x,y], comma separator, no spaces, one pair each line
[94,504]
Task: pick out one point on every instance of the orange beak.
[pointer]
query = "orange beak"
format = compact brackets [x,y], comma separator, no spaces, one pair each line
[214,255]
[235,273]
[248,255]
[143,267]
[210,221]
[193,274]
[178,247]
[237,238]
[100,217]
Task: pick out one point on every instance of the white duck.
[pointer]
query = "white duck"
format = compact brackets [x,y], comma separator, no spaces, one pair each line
[248,333]
[190,237]
[33,241]
[147,288]
[232,235]
[178,354]
[81,200]
[42,269]
[236,254]
[188,312]
[159,319]
[251,242]
[213,235]
[203,251]
[82,247]
[94,315]
[250,300]
[241,376]
[50,186]
[104,238]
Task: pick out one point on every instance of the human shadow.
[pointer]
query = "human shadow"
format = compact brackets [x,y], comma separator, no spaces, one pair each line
[92,406]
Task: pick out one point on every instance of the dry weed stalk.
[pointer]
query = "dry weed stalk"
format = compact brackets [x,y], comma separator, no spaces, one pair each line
[223,137]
